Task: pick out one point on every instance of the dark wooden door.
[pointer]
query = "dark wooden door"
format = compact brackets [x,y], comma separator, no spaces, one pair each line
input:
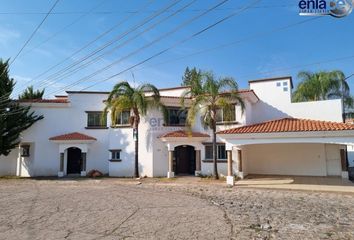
[185,160]
[74,160]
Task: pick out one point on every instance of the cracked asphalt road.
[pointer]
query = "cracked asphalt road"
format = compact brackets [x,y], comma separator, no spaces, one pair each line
[95,209]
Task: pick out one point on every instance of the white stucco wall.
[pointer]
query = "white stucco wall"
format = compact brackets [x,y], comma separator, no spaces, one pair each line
[153,154]
[8,164]
[61,119]
[292,159]
[275,103]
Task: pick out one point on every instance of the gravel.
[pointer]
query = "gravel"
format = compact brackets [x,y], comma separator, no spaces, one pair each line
[167,209]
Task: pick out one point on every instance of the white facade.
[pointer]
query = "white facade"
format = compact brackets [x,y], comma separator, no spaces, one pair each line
[270,99]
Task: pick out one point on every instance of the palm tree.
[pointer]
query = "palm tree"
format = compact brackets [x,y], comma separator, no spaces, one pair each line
[323,85]
[29,93]
[125,97]
[209,96]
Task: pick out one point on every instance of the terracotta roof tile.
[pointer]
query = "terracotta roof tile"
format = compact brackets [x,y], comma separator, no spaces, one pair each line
[183,133]
[72,136]
[290,125]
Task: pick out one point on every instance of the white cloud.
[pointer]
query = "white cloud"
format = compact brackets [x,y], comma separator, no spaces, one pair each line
[21,79]
[8,35]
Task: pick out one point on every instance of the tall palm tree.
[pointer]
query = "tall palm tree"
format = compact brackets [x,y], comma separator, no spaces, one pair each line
[30,93]
[125,97]
[323,85]
[210,94]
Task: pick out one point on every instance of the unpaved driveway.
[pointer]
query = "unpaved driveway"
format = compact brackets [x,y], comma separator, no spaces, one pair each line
[103,210]
[160,209]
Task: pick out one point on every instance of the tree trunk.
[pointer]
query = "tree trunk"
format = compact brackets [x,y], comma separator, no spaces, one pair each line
[215,154]
[136,140]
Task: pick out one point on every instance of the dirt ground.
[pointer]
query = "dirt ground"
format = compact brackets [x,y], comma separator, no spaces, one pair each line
[167,209]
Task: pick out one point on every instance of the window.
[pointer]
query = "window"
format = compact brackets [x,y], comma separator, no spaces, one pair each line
[123,118]
[25,150]
[209,152]
[278,84]
[226,116]
[285,89]
[220,150]
[94,120]
[176,116]
[115,154]
[285,83]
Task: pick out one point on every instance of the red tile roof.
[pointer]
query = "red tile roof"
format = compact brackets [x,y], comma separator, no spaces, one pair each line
[72,136]
[290,125]
[59,100]
[183,133]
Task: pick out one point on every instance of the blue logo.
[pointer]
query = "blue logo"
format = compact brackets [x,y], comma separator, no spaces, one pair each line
[335,8]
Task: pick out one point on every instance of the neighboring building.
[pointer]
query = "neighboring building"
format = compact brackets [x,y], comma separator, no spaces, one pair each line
[349,118]
[271,136]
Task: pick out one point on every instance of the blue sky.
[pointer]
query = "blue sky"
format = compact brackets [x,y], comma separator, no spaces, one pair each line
[260,53]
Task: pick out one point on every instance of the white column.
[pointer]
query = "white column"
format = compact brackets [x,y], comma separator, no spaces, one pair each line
[19,162]
[198,163]
[61,165]
[83,164]
[230,180]
[239,164]
[170,173]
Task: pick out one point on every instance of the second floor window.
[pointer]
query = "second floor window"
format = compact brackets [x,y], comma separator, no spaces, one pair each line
[176,116]
[226,116]
[96,120]
[123,118]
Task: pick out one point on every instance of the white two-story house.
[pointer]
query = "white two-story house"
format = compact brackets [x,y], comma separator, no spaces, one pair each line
[272,135]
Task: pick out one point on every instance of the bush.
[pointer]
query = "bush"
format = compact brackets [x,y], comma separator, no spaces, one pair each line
[94,173]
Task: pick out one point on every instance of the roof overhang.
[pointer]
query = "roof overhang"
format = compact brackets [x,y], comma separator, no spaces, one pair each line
[250,95]
[53,104]
[345,137]
[73,141]
[73,138]
[184,139]
[273,79]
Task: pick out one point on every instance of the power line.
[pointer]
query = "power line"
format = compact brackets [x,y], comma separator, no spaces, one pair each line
[34,32]
[64,28]
[229,44]
[96,59]
[181,41]
[59,74]
[119,23]
[173,46]
[134,11]
[185,23]
[301,65]
[31,36]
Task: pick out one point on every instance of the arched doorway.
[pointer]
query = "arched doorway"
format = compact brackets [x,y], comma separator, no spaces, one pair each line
[74,160]
[184,160]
